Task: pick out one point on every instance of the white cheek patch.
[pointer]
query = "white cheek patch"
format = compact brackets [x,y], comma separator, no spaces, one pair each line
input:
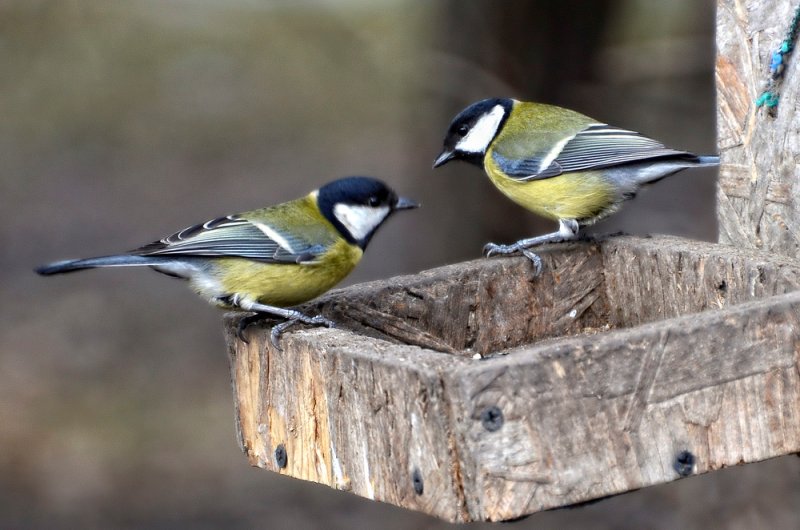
[479,136]
[360,220]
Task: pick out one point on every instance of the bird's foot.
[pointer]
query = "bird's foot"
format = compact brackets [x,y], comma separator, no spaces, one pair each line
[289,317]
[535,259]
[278,329]
[247,321]
[493,249]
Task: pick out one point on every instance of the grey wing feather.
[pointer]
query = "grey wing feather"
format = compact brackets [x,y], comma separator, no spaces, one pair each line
[525,168]
[596,147]
[232,236]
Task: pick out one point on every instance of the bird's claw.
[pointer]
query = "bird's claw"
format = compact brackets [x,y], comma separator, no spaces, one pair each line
[240,332]
[278,329]
[537,261]
[492,249]
[244,323]
[320,320]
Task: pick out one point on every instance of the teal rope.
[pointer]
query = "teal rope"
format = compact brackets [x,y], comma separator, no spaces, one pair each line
[769,97]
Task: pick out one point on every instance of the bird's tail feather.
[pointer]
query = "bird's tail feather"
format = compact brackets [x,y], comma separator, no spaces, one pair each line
[71,265]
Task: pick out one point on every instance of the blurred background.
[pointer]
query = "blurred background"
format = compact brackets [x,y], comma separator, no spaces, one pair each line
[123,121]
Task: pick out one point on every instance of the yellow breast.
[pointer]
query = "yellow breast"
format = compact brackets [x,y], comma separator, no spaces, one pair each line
[578,195]
[286,285]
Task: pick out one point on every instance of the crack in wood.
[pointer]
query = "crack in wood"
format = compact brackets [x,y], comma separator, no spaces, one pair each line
[453,451]
[395,327]
[645,383]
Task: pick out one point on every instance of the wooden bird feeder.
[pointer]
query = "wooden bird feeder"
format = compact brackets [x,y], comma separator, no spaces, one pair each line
[478,391]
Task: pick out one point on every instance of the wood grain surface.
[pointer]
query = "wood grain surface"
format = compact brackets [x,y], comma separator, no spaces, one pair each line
[759,182]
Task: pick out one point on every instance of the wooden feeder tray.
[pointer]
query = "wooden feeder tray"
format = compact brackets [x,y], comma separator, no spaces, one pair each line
[478,391]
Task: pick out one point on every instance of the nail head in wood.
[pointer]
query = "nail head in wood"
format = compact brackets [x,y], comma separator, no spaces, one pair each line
[281,458]
[684,463]
[492,418]
[416,480]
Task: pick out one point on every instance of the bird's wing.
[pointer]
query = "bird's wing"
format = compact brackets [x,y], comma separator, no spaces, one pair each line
[595,147]
[234,236]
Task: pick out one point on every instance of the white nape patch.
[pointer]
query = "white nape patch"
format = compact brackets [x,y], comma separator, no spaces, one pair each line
[479,136]
[274,235]
[360,220]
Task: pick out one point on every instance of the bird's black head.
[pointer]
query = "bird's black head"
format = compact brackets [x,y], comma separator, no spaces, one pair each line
[357,206]
[473,129]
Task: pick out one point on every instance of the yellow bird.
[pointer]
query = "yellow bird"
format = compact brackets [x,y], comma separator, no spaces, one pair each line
[558,163]
[267,260]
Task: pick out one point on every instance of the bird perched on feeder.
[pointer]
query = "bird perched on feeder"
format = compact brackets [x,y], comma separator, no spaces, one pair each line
[268,260]
[558,163]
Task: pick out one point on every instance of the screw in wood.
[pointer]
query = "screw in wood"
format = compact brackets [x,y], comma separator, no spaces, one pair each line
[492,418]
[281,458]
[416,480]
[684,463]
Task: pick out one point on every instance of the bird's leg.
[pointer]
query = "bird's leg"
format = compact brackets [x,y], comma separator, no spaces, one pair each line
[292,316]
[567,231]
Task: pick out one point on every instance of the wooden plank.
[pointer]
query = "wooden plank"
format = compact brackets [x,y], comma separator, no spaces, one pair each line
[350,412]
[653,279]
[477,306]
[590,417]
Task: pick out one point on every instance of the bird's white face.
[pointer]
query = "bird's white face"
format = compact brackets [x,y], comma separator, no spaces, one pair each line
[360,220]
[482,132]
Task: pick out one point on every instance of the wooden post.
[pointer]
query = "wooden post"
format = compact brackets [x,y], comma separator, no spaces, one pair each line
[478,391]
[759,183]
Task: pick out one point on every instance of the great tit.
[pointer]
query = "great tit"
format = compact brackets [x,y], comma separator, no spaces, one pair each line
[558,163]
[268,260]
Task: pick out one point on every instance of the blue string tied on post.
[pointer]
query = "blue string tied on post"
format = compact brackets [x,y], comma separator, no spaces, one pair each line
[776,66]
[769,98]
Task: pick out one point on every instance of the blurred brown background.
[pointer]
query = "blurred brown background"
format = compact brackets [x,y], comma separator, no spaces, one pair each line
[125,120]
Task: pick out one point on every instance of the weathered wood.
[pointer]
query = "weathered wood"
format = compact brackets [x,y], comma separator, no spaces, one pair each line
[630,362]
[476,306]
[666,277]
[351,412]
[593,416]
[759,184]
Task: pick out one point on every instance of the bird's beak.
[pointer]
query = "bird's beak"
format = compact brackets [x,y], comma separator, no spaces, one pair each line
[404,203]
[443,158]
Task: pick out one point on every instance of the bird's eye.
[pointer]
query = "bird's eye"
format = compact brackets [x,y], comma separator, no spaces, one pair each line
[373,201]
[463,130]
